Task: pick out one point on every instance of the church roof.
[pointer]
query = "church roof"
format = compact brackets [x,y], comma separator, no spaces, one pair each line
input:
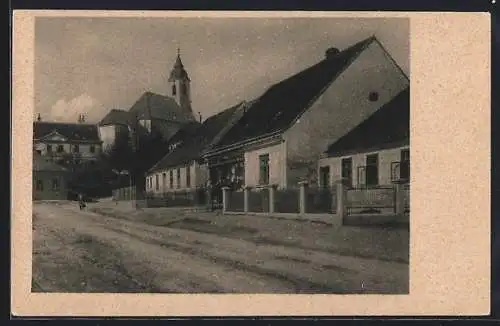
[285,101]
[388,127]
[194,142]
[155,106]
[72,131]
[116,117]
[41,163]
[178,71]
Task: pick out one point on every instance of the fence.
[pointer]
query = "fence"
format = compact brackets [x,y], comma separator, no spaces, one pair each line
[388,200]
[371,200]
[186,198]
[126,193]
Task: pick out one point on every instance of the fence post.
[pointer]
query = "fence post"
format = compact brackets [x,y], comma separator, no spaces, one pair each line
[246,193]
[225,199]
[399,204]
[302,196]
[272,190]
[341,200]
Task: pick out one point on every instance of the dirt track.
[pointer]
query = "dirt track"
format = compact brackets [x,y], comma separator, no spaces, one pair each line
[78,251]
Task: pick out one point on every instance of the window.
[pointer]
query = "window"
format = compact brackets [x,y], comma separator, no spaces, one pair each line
[164,180]
[76,148]
[49,148]
[347,171]
[171,179]
[372,170]
[264,169]
[92,148]
[178,178]
[60,148]
[184,89]
[157,182]
[174,90]
[404,172]
[188,176]
[373,96]
[55,184]
[39,185]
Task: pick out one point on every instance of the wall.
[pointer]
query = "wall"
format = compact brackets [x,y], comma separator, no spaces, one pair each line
[48,193]
[342,106]
[277,172]
[386,157]
[198,174]
[84,149]
[107,134]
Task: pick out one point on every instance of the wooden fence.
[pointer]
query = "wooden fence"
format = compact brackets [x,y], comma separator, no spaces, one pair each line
[307,200]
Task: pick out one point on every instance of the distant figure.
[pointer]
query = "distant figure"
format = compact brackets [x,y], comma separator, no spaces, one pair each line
[81,202]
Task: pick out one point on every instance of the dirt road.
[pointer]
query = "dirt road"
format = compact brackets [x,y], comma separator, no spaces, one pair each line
[75,251]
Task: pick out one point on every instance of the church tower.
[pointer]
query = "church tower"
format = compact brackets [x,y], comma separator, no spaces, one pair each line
[180,84]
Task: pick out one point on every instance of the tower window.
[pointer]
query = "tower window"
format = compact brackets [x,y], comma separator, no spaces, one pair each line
[174,90]
[373,96]
[184,89]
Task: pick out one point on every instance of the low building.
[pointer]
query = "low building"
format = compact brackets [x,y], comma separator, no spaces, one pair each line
[374,153]
[183,168]
[283,133]
[55,140]
[49,179]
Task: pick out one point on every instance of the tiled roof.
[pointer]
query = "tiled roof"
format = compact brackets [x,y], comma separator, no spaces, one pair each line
[116,117]
[151,105]
[283,102]
[41,163]
[72,131]
[388,126]
[195,141]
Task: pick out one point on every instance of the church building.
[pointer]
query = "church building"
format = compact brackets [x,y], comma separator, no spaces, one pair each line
[158,114]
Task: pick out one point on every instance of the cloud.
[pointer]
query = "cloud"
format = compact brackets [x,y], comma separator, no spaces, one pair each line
[68,111]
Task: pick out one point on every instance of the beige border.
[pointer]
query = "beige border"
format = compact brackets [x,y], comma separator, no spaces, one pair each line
[450,221]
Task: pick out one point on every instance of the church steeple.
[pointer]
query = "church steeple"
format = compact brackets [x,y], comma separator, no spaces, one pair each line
[180,83]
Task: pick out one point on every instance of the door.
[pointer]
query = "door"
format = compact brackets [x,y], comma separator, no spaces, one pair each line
[324,176]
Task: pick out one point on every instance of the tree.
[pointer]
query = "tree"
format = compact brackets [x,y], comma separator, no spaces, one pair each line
[121,155]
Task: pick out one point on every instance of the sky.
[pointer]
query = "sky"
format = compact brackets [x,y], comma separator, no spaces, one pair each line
[92,65]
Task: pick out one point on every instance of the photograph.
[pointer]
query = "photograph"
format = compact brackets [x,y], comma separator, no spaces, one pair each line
[221,155]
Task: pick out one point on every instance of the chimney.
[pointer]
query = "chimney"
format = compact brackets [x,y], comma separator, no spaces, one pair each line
[331,52]
[39,118]
[199,114]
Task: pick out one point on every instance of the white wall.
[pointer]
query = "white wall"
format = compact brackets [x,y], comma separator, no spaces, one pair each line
[385,157]
[344,104]
[198,175]
[277,170]
[84,149]
[107,134]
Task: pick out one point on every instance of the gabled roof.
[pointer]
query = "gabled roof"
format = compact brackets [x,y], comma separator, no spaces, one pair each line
[71,131]
[388,127]
[195,141]
[283,102]
[116,117]
[41,163]
[156,106]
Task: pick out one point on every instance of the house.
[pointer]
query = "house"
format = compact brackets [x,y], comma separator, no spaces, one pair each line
[157,114]
[375,152]
[49,179]
[55,140]
[283,133]
[183,168]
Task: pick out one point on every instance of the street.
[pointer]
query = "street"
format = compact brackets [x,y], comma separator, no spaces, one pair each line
[81,251]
